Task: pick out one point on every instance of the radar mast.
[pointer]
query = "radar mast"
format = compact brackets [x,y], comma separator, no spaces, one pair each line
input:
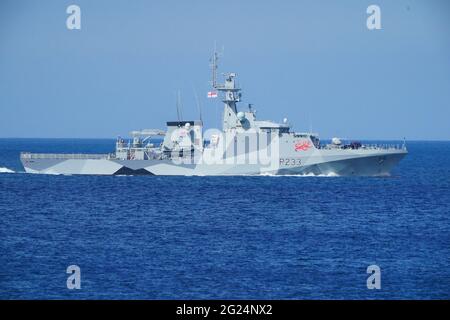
[230,93]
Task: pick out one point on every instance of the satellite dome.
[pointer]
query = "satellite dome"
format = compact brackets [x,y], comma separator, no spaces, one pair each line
[241,116]
[336,141]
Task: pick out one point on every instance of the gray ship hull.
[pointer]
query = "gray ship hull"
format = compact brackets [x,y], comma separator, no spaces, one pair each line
[321,162]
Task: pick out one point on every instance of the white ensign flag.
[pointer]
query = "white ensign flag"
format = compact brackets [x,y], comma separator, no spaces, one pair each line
[212,94]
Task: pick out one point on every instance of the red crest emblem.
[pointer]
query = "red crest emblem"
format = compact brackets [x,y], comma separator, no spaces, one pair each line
[302,146]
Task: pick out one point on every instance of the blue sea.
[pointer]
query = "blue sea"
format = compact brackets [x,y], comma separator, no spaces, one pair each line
[249,237]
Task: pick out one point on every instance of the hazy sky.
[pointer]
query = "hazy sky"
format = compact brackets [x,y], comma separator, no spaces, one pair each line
[314,62]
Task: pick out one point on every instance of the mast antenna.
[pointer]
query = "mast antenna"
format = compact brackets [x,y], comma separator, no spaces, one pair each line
[199,107]
[214,66]
[179,114]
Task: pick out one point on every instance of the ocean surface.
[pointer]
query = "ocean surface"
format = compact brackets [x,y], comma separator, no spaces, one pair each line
[249,237]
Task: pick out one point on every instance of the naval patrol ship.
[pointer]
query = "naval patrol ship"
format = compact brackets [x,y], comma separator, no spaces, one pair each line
[244,146]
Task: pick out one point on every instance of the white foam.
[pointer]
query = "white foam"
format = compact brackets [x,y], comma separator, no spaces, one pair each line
[331,174]
[5,170]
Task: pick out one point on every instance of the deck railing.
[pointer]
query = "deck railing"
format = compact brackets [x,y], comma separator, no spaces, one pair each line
[28,155]
[368,147]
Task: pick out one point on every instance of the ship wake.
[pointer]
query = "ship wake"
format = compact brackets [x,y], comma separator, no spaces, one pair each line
[6,170]
[331,174]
